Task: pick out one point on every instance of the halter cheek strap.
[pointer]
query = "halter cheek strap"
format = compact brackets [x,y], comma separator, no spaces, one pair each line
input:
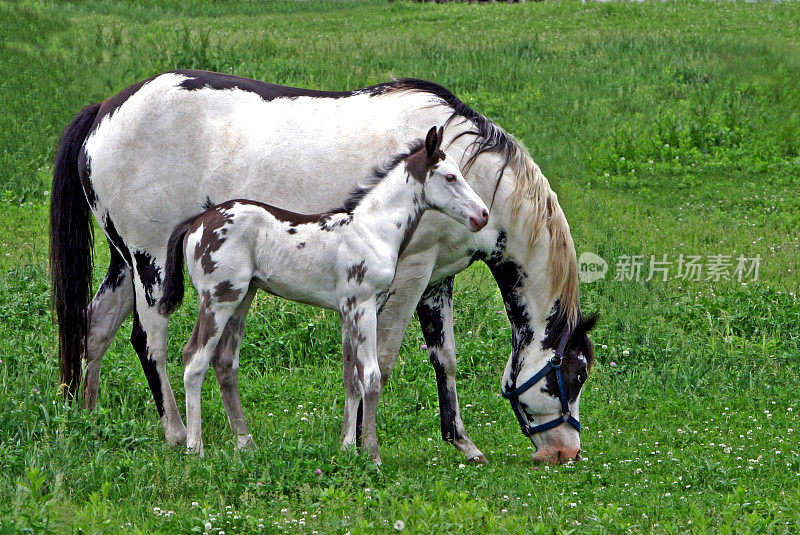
[565,416]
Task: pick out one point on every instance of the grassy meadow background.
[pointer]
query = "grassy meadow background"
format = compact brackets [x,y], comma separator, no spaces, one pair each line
[665,128]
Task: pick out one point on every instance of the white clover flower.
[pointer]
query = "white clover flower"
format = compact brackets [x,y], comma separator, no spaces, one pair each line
[207,526]
[399,525]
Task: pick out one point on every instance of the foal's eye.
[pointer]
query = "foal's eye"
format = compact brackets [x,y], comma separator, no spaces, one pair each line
[450,178]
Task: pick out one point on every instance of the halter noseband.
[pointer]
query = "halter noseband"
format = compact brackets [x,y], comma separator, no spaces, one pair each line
[565,417]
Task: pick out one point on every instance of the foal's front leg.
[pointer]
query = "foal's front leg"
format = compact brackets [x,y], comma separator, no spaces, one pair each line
[359,323]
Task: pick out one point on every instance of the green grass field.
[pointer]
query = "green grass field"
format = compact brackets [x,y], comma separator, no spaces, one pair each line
[666,128]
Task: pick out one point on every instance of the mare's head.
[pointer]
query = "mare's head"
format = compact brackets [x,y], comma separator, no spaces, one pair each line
[444,187]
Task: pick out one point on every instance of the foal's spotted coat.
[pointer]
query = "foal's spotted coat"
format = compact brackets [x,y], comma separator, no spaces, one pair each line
[342,260]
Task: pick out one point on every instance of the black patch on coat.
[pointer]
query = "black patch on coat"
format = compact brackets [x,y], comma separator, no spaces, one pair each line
[139,343]
[148,272]
[411,226]
[208,204]
[494,255]
[111,105]
[213,222]
[116,240]
[117,271]
[292,230]
[356,272]
[293,218]
[267,91]
[447,402]
[429,310]
[301,245]
[431,320]
[510,279]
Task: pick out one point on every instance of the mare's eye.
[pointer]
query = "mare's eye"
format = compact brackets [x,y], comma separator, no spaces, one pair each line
[450,178]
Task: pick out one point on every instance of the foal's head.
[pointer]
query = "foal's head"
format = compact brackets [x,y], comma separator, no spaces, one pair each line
[445,188]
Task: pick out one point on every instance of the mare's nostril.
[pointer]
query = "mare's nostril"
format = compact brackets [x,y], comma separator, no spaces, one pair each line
[485,215]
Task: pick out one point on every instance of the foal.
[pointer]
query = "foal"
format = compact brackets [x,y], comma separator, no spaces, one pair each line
[343,260]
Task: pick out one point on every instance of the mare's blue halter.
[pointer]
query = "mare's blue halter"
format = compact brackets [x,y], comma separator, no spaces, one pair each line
[553,364]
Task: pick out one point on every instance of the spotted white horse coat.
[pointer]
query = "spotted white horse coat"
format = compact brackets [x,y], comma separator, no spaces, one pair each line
[164,150]
[344,260]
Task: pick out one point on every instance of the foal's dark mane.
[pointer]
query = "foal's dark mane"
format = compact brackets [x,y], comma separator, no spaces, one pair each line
[379,172]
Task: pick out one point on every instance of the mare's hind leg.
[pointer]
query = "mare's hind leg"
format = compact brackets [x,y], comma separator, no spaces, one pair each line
[226,368]
[435,311]
[149,339]
[109,308]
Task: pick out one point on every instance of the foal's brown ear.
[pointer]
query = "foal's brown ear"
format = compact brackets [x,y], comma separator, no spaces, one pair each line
[432,142]
[441,137]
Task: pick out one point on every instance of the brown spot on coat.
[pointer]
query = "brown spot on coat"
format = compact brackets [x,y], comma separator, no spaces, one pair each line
[357,272]
[213,222]
[204,329]
[224,291]
[418,164]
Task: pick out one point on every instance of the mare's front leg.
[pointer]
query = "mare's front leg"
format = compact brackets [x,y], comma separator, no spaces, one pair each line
[359,339]
[226,367]
[435,311]
[212,318]
[149,339]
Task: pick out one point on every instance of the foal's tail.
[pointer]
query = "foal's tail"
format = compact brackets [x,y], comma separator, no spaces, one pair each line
[71,241]
[172,289]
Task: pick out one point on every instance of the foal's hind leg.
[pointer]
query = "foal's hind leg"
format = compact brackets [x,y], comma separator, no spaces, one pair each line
[212,317]
[109,308]
[435,311]
[226,368]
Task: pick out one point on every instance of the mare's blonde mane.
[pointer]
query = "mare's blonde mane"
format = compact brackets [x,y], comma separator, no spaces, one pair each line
[532,197]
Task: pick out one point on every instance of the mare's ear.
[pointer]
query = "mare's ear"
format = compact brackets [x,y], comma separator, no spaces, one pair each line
[585,326]
[441,137]
[431,142]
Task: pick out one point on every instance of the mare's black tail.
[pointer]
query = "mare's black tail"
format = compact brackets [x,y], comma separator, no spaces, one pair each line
[71,241]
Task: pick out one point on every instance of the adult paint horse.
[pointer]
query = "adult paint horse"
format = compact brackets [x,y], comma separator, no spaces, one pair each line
[343,260]
[162,150]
